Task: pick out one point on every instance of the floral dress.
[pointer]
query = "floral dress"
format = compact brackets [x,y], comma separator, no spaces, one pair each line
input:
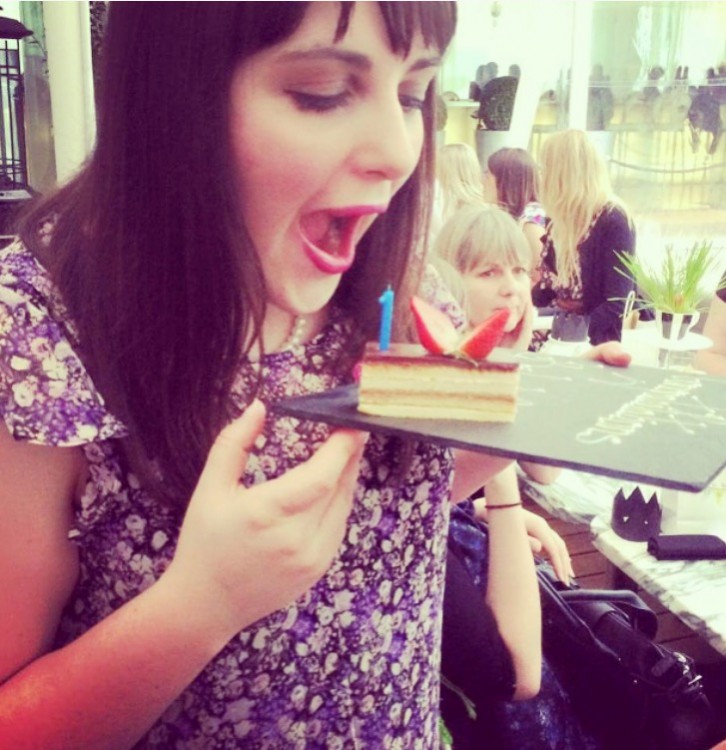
[533,213]
[354,663]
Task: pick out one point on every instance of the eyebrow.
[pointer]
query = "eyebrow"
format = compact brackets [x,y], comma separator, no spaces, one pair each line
[354,59]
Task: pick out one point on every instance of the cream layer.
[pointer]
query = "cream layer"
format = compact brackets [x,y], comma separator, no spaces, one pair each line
[501,411]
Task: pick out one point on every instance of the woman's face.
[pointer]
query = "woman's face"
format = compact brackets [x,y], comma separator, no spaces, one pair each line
[323,135]
[493,286]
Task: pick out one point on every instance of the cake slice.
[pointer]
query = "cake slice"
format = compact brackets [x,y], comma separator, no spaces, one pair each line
[408,381]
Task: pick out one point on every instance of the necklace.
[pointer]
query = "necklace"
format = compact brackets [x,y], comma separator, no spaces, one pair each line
[295,336]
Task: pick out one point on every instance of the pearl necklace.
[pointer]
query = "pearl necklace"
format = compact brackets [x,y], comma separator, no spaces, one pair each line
[295,336]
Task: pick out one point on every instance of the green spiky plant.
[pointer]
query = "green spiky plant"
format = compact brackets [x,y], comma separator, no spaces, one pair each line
[447,740]
[677,286]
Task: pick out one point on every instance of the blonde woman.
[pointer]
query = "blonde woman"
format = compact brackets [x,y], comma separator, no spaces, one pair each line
[485,259]
[458,182]
[587,226]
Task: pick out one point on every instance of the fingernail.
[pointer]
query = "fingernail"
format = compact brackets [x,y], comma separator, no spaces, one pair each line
[255,405]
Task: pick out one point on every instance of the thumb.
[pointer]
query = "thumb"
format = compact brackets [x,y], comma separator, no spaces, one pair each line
[535,545]
[228,456]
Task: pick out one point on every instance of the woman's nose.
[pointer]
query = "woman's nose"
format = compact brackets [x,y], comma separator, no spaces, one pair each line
[506,283]
[390,142]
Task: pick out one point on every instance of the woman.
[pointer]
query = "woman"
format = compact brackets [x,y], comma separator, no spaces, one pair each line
[458,182]
[713,359]
[588,226]
[511,181]
[486,250]
[279,585]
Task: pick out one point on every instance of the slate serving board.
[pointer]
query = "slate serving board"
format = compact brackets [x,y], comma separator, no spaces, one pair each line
[663,427]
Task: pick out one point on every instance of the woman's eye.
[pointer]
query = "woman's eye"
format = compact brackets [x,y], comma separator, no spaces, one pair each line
[409,102]
[521,271]
[319,102]
[488,273]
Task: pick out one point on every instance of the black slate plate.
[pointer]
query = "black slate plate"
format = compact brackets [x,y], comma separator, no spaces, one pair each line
[662,427]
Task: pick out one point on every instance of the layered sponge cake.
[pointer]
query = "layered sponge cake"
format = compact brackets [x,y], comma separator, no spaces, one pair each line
[408,381]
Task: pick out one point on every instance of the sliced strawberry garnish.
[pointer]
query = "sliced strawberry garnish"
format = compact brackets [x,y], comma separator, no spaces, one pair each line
[479,343]
[435,331]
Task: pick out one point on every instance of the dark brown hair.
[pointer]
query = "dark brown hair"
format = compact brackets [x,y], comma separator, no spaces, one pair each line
[515,173]
[148,248]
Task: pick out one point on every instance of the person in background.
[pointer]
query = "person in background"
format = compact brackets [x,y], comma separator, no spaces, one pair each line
[587,226]
[489,265]
[713,360]
[183,567]
[511,181]
[458,182]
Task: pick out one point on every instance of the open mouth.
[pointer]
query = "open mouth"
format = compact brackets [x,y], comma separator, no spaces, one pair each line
[329,239]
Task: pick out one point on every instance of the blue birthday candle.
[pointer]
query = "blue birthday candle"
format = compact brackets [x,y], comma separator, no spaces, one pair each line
[386,300]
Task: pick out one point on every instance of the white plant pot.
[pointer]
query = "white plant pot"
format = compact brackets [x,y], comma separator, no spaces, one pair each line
[489,141]
[675,326]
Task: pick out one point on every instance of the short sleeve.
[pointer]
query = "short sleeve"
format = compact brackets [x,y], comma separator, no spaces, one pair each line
[533,213]
[435,291]
[46,394]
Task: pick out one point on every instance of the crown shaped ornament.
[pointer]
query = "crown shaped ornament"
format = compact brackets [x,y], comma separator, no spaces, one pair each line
[635,519]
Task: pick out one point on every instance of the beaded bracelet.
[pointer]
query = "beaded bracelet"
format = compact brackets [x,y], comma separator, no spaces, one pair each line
[507,505]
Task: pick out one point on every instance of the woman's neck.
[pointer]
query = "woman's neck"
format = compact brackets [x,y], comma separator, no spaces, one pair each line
[283,330]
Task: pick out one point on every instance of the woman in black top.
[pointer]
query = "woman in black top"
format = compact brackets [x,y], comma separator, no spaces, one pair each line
[587,227]
[713,360]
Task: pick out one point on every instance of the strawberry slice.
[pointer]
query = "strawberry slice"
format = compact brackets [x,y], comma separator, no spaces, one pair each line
[435,331]
[479,343]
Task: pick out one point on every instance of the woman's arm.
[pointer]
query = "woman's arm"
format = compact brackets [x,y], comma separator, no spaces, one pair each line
[541,472]
[713,360]
[604,287]
[38,565]
[542,539]
[534,233]
[512,590]
[472,470]
[242,553]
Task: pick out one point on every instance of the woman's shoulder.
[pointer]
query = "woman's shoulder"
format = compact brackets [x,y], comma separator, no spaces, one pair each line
[438,291]
[46,394]
[615,214]
[611,223]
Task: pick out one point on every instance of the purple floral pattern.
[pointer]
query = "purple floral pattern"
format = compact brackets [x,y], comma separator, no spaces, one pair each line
[533,213]
[354,662]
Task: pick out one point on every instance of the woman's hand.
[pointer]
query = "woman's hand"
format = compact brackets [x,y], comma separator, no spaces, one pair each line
[520,337]
[543,539]
[609,353]
[246,552]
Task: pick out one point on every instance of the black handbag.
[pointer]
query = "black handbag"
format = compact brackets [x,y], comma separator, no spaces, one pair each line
[630,692]
[569,326]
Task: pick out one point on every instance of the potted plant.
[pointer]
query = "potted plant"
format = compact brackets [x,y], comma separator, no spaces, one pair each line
[675,291]
[494,115]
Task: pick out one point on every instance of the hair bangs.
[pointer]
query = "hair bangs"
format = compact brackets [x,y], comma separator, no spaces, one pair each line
[272,22]
[483,235]
[500,246]
[435,21]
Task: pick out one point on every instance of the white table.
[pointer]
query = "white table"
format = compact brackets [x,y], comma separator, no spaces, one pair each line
[578,497]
